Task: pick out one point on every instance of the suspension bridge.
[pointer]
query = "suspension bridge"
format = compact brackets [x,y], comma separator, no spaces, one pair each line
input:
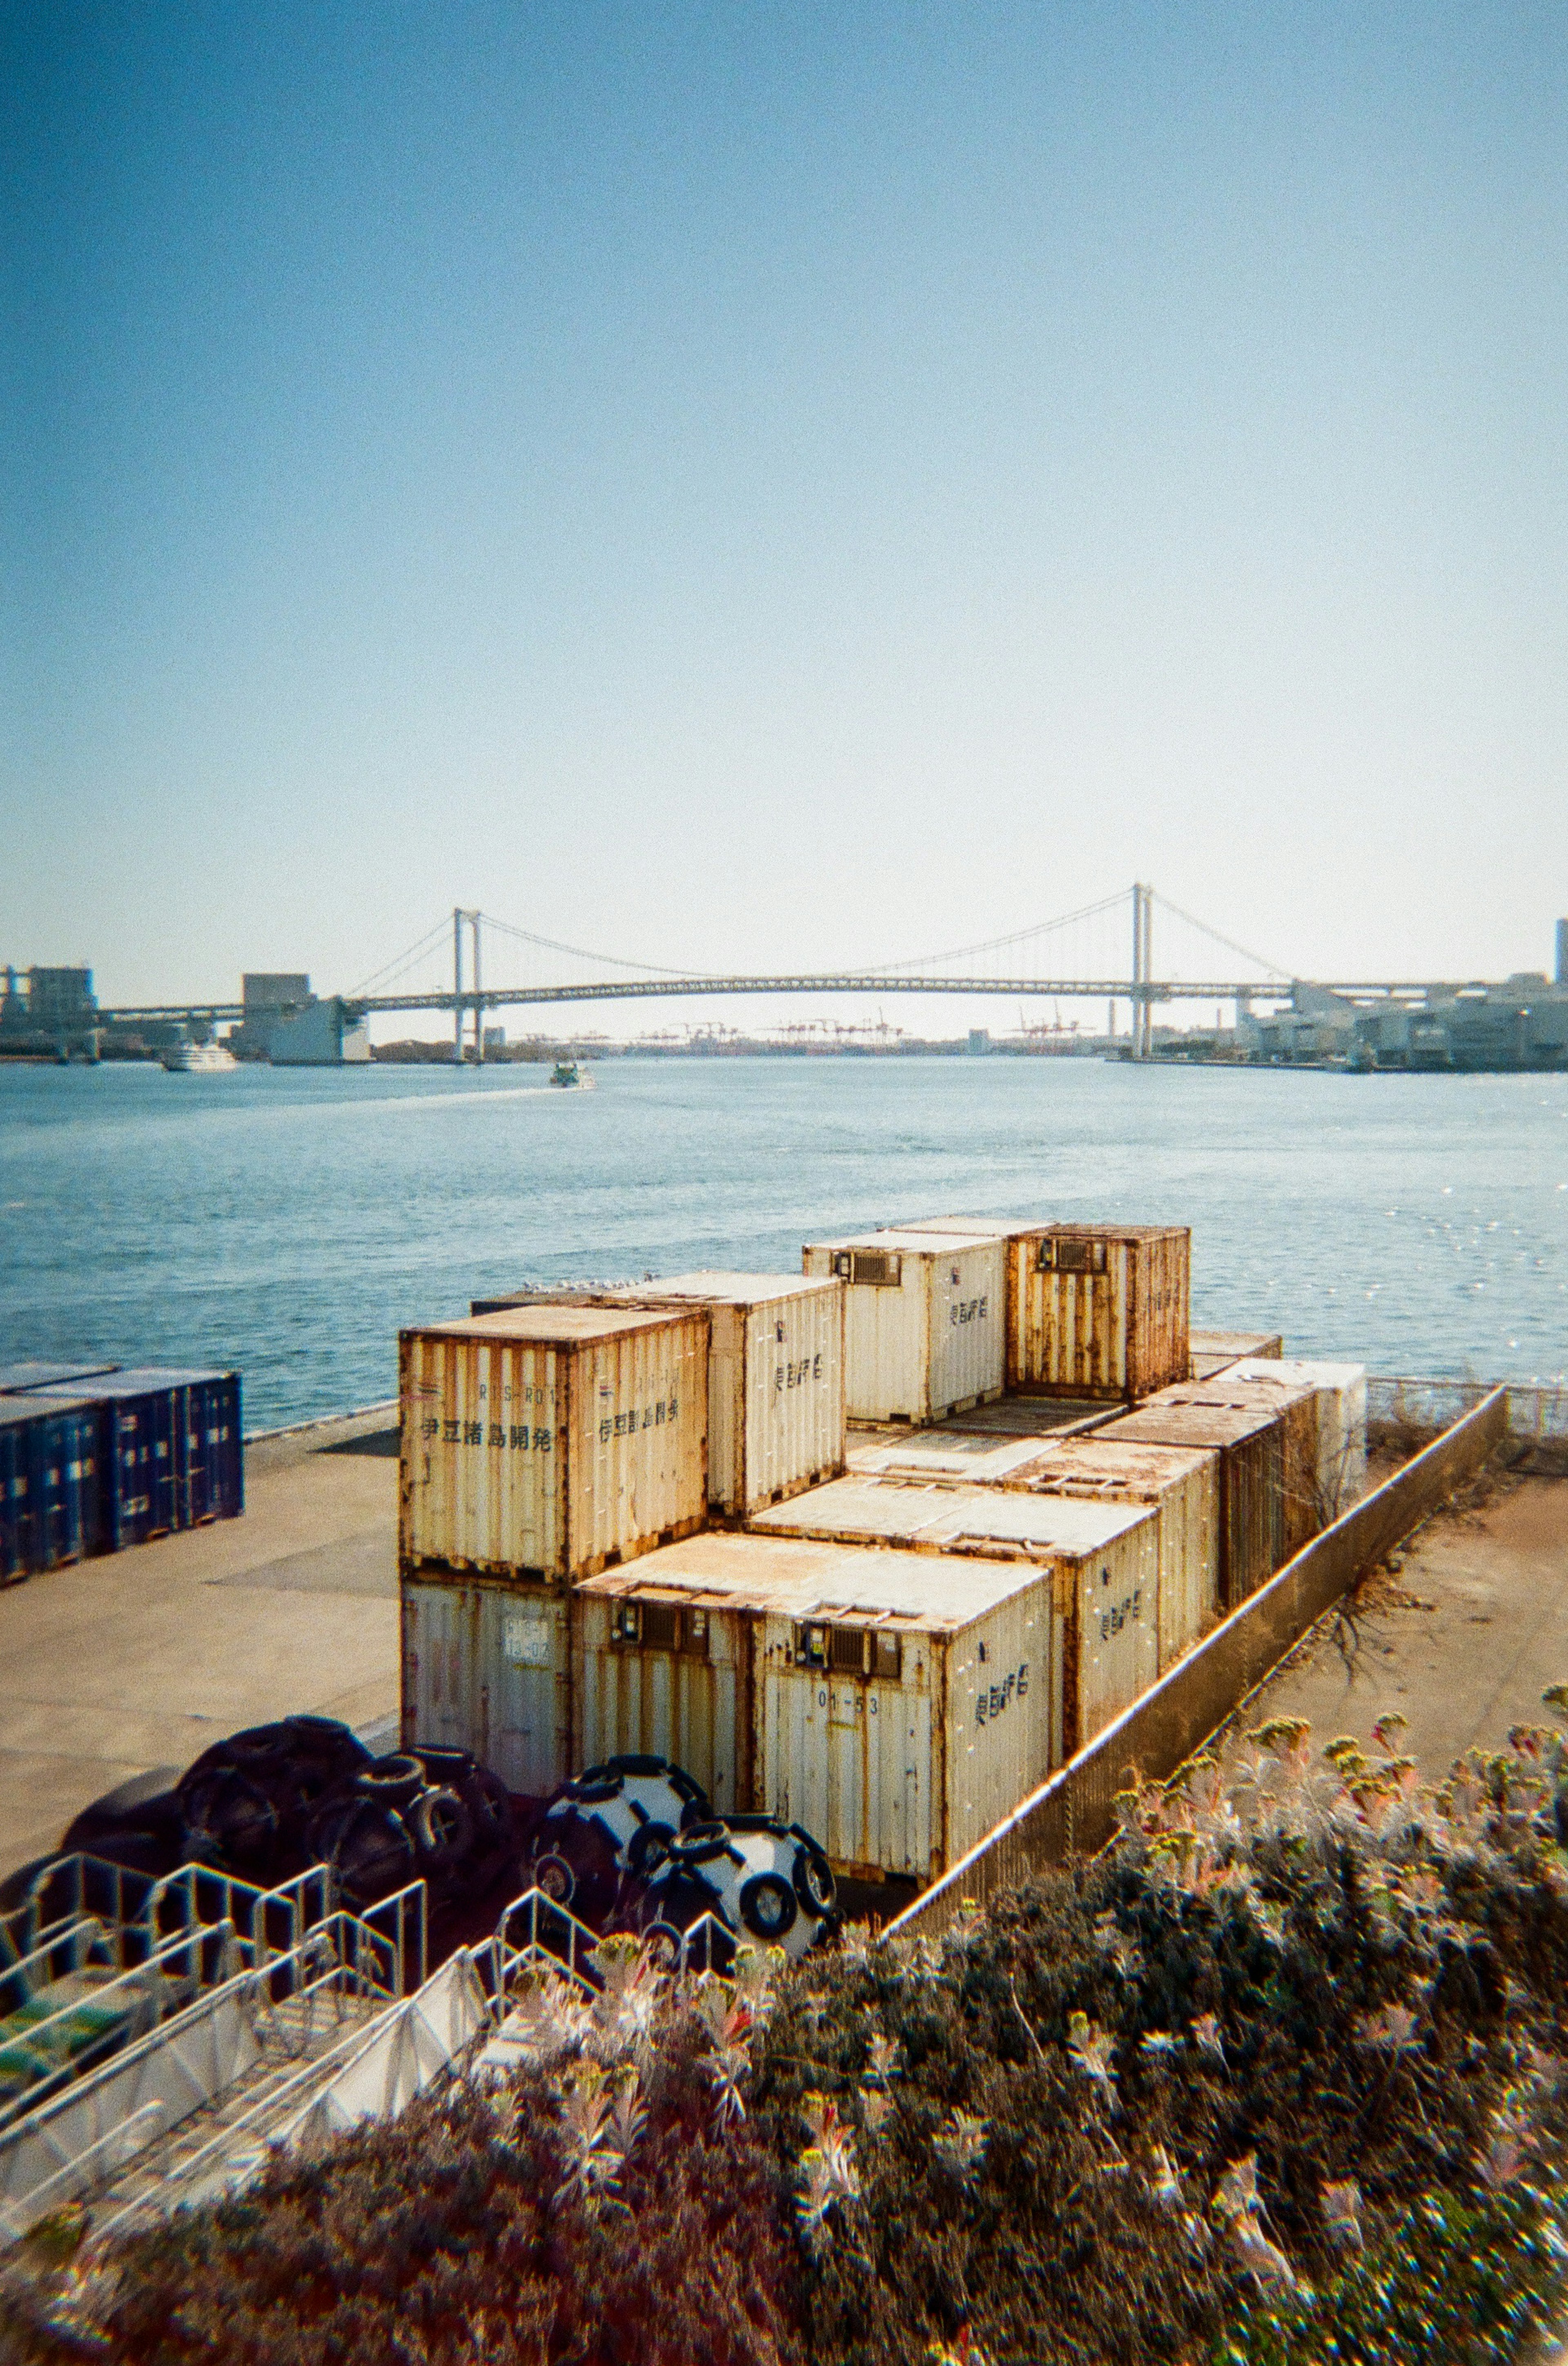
[1101,952]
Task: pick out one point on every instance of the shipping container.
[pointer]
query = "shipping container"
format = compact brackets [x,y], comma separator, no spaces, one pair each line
[552,1440]
[34,1374]
[1215,1351]
[1250,1441]
[924,1328]
[488,1668]
[776,1415]
[171,1451]
[1098,1311]
[1182,1483]
[976,1457]
[1341,1390]
[49,1484]
[1105,1558]
[896,1706]
[1296,1408]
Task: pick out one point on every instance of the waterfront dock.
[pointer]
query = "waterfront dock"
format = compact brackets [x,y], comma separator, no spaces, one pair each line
[140,1659]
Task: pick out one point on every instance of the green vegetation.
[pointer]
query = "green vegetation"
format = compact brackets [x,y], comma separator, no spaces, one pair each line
[1273,2081]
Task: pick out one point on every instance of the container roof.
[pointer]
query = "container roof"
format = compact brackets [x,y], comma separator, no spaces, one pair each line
[980,1456]
[802,1577]
[1236,1343]
[40,1402]
[549,1322]
[1194,1416]
[933,1516]
[144,1380]
[33,1374]
[1114,1465]
[911,1238]
[728,1289]
[1307,1372]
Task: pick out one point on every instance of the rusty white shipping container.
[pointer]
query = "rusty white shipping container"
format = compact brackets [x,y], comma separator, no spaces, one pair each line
[488,1668]
[1098,1311]
[1104,1558]
[1216,1351]
[552,1440]
[775,1405]
[1181,1484]
[776,1411]
[1340,1391]
[924,1322]
[896,1704]
[1249,1440]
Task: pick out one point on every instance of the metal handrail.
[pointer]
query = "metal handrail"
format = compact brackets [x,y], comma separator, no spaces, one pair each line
[110,2139]
[94,2001]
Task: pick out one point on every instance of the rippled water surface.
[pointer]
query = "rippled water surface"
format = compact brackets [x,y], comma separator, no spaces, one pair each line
[289,1222]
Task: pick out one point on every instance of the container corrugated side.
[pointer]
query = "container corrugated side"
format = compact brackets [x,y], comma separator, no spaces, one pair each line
[776,1392]
[654,1671]
[488,1668]
[552,1457]
[1341,1392]
[1098,1311]
[142,1418]
[13,1501]
[1249,1440]
[924,1322]
[49,1480]
[1182,1484]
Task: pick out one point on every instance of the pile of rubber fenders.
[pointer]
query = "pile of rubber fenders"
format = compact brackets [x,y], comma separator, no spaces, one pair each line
[267,1803]
[637,1841]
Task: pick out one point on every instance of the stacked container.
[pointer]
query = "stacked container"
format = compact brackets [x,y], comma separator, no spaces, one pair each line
[1250,1441]
[548,1441]
[896,1704]
[776,1415]
[924,1330]
[1098,1311]
[49,1477]
[1216,1351]
[1339,1393]
[1182,1483]
[1095,1312]
[170,1450]
[1104,1558]
[538,1444]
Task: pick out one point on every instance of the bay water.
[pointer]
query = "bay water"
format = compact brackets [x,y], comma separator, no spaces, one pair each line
[287,1223]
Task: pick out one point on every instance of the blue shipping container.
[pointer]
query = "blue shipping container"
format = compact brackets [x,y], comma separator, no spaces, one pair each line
[36,1375]
[49,1482]
[170,1446]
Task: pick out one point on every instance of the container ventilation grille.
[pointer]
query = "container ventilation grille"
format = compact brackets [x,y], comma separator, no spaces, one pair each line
[872,1268]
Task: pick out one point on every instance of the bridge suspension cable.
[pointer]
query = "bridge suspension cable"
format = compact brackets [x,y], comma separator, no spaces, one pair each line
[1228,942]
[578,952]
[1000,944]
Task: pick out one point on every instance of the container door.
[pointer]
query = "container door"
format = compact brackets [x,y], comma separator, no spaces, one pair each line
[796,1746]
[13,1503]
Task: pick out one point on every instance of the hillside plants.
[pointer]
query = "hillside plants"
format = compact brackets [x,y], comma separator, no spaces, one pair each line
[1277,2078]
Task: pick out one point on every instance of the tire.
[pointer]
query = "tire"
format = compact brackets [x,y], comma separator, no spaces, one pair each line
[767,1905]
[553,1875]
[391,1782]
[700,1843]
[635,1762]
[649,1843]
[442,1827]
[662,1944]
[444,1765]
[258,1745]
[814,1885]
[591,1792]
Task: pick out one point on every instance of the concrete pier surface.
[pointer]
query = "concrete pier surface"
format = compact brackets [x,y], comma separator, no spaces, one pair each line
[1461,1630]
[140,1659]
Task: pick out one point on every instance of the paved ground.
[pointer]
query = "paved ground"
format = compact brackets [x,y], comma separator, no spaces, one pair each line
[142,1658]
[1462,1632]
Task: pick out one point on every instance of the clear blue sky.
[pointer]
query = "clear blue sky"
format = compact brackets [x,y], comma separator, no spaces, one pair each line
[754,485]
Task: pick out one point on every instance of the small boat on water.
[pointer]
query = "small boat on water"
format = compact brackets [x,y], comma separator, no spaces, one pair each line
[569,1074]
[189,1059]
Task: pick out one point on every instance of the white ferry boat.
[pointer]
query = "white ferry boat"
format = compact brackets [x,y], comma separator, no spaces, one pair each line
[197,1059]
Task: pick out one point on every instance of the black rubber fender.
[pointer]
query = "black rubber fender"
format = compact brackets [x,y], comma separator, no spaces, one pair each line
[649,1843]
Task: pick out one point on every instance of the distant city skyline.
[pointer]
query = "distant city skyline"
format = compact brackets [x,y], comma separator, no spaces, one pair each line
[762,489]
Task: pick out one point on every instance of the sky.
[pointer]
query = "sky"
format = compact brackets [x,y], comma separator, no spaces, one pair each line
[750,487]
